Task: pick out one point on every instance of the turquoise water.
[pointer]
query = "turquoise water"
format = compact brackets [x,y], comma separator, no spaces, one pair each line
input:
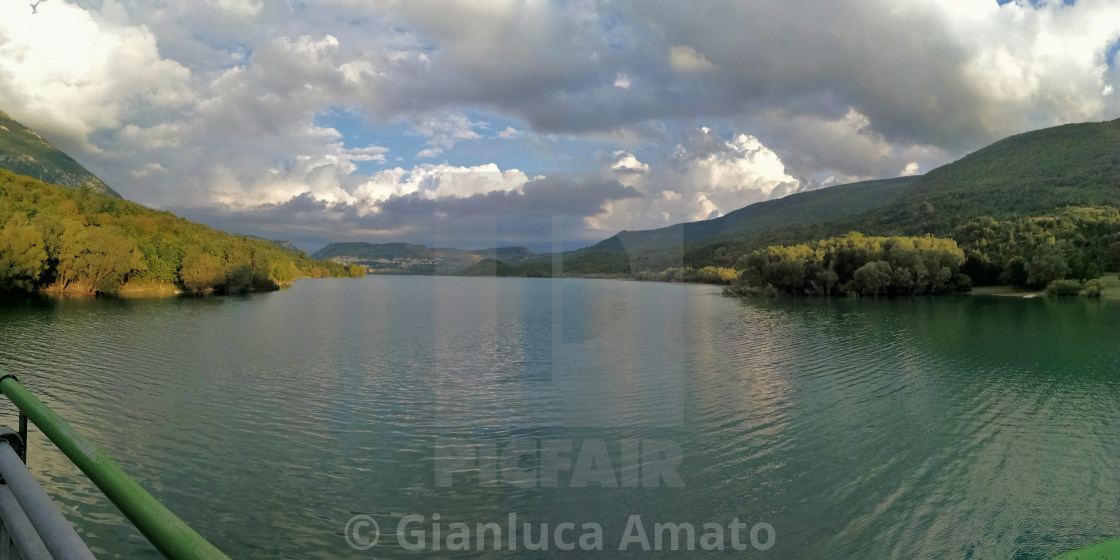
[916,428]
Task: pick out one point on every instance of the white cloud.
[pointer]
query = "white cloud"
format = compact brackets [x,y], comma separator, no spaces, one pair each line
[433,182]
[237,8]
[910,169]
[705,177]
[284,84]
[443,131]
[627,169]
[67,72]
[368,153]
[163,135]
[685,59]
[954,74]
[848,147]
[622,81]
[509,133]
[732,173]
[147,170]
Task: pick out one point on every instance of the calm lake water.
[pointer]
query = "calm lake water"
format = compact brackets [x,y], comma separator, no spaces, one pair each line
[957,427]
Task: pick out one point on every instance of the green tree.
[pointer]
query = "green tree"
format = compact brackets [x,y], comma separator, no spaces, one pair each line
[872,278]
[1015,273]
[98,258]
[202,272]
[1064,288]
[1093,288]
[239,278]
[1113,256]
[284,272]
[1046,268]
[23,254]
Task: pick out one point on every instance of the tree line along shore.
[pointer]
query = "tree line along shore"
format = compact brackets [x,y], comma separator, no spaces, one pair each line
[67,240]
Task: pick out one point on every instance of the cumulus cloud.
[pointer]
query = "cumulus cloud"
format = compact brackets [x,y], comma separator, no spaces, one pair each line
[685,59]
[163,135]
[147,170]
[730,173]
[627,167]
[705,176]
[437,181]
[472,207]
[953,74]
[509,133]
[67,72]
[444,131]
[238,8]
[285,82]
[226,109]
[847,146]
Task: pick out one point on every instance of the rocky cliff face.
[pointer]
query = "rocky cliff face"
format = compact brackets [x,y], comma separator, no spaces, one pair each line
[24,151]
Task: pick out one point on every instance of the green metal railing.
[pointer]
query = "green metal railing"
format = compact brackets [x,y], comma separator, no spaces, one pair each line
[169,534]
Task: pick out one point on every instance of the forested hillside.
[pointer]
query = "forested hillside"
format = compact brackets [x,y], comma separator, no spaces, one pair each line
[1026,211]
[56,238]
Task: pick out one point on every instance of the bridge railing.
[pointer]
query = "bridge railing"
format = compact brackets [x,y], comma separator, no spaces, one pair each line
[170,535]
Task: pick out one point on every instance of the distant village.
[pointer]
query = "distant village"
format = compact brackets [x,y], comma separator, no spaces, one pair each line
[374,266]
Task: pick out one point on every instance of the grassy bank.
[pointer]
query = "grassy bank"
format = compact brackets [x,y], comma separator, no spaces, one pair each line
[1110,290]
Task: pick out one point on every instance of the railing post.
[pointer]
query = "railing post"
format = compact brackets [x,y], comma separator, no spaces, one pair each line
[23,436]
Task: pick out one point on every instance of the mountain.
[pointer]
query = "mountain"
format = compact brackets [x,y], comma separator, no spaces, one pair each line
[23,151]
[286,245]
[823,204]
[1029,175]
[505,253]
[1026,174]
[373,251]
[281,243]
[407,258]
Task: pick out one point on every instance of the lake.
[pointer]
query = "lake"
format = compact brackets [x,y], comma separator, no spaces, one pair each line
[947,427]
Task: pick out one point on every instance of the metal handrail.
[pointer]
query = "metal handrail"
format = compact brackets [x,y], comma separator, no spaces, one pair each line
[55,532]
[169,534]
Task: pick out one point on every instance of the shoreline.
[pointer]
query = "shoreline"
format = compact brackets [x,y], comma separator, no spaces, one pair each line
[1111,290]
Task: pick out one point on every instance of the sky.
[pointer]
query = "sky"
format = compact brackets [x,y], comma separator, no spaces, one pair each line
[546,123]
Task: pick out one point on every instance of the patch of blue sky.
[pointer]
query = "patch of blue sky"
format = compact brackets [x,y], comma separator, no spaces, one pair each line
[1110,53]
[531,153]
[613,32]
[358,132]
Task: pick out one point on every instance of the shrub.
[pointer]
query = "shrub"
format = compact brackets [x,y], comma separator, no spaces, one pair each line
[1093,288]
[1063,288]
[963,282]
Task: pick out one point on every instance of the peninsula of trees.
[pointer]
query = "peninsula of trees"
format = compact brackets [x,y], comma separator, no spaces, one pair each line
[55,238]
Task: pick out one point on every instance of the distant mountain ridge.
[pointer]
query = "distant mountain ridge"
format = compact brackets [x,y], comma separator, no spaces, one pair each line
[1032,174]
[409,258]
[281,243]
[24,151]
[821,204]
[364,250]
